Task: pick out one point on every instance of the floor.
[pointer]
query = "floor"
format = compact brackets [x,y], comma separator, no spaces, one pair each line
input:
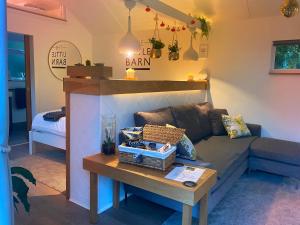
[18,134]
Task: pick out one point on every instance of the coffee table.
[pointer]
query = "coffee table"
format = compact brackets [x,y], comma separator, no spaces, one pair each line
[150,180]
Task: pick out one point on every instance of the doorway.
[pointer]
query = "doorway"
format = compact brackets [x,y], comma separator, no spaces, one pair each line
[19,85]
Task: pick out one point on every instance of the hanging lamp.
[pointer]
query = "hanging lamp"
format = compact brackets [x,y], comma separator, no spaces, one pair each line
[289,8]
[191,53]
[129,44]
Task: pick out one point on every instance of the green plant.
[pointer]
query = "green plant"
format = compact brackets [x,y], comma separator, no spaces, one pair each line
[108,140]
[20,189]
[156,44]
[205,26]
[174,47]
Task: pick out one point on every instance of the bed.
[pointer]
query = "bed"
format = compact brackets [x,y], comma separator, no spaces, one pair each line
[49,133]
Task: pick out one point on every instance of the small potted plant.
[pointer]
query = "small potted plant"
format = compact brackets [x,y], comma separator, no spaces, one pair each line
[109,145]
[157,46]
[205,26]
[174,51]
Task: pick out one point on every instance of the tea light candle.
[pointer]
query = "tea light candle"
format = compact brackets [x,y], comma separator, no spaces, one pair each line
[190,77]
[130,74]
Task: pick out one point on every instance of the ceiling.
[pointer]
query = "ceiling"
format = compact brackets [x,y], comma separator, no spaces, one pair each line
[110,16]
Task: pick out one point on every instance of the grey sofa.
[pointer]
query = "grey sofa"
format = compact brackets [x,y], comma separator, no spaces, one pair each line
[230,157]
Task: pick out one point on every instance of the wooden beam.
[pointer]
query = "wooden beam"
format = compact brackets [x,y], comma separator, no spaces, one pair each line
[113,87]
[167,10]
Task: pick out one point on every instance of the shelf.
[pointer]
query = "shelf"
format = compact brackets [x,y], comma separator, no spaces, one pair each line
[113,87]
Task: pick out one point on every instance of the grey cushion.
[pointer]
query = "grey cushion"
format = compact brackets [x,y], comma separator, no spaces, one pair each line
[277,150]
[255,129]
[222,152]
[215,117]
[196,125]
[157,117]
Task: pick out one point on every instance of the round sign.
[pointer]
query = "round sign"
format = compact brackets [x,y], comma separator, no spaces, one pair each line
[61,55]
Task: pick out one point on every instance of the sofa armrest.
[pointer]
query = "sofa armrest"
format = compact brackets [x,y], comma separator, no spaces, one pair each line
[255,129]
[196,163]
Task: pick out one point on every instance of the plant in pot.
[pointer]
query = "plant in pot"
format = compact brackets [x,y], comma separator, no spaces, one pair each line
[109,145]
[174,51]
[205,26]
[157,46]
[20,188]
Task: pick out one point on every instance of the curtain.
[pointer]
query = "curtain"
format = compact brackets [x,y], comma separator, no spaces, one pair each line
[6,211]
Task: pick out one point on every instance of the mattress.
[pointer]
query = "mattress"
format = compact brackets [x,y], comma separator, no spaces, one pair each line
[57,128]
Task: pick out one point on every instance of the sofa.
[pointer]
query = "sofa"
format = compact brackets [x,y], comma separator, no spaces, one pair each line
[229,157]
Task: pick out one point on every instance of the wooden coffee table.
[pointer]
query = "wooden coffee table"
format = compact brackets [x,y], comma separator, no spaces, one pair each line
[149,180]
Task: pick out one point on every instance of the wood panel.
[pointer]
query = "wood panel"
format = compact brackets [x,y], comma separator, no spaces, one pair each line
[28,81]
[112,87]
[150,179]
[68,152]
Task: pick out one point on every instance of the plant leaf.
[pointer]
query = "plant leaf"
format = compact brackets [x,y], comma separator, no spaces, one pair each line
[21,189]
[24,173]
[16,201]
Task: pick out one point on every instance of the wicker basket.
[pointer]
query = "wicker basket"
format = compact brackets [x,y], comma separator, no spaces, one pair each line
[152,159]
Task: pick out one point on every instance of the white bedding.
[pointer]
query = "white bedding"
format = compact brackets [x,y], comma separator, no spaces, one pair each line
[58,128]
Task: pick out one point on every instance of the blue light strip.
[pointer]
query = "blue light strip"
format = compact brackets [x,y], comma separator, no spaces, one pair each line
[6,213]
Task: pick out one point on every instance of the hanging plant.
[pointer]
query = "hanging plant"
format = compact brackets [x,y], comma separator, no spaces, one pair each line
[174,51]
[205,26]
[20,188]
[157,44]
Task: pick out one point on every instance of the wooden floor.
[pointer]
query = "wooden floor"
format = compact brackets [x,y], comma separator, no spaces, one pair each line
[49,207]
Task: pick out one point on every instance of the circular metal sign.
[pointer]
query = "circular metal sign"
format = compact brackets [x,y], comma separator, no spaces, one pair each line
[61,55]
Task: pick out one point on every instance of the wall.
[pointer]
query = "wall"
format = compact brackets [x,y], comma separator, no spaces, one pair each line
[106,50]
[46,31]
[239,63]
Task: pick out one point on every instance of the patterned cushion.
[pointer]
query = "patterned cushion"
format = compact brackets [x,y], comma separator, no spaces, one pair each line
[185,148]
[235,126]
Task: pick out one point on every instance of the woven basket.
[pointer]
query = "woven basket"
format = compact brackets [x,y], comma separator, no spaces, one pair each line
[157,134]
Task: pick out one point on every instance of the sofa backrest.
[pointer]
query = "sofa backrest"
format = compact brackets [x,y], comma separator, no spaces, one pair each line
[193,118]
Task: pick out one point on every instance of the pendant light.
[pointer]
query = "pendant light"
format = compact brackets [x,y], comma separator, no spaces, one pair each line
[191,53]
[289,8]
[129,44]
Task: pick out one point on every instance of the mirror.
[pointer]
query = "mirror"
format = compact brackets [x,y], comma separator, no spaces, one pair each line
[61,55]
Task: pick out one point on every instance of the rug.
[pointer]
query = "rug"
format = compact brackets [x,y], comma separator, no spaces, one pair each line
[47,165]
[256,199]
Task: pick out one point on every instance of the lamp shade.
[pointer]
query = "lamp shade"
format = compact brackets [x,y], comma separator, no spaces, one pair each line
[129,44]
[191,53]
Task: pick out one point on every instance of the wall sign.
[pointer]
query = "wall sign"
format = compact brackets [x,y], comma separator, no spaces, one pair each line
[61,55]
[142,60]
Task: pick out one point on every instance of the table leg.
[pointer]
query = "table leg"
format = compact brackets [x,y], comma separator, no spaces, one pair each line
[203,210]
[116,194]
[187,215]
[93,197]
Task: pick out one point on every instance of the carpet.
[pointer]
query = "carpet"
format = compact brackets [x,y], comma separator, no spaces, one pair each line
[47,165]
[256,199]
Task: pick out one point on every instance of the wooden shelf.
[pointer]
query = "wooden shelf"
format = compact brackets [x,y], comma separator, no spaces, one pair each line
[113,87]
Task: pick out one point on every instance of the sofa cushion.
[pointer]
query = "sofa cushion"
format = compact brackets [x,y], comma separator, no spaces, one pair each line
[222,152]
[215,117]
[197,125]
[235,126]
[276,150]
[159,117]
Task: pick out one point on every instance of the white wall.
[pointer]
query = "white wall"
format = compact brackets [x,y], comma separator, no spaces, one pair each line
[239,63]
[106,50]
[46,31]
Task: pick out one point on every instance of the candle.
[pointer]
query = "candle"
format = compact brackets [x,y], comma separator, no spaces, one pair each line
[130,74]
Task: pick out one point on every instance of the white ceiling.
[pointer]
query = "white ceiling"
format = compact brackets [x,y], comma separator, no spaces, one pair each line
[110,16]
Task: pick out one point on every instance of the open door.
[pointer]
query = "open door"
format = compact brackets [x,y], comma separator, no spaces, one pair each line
[27,44]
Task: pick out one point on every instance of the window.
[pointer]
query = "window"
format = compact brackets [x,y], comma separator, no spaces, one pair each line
[286,57]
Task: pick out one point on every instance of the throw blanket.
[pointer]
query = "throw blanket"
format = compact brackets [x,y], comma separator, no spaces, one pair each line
[55,116]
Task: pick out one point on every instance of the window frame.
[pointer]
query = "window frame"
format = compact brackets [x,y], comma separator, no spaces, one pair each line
[282,71]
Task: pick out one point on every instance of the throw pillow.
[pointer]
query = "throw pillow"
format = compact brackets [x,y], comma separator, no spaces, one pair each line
[215,117]
[235,126]
[185,148]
